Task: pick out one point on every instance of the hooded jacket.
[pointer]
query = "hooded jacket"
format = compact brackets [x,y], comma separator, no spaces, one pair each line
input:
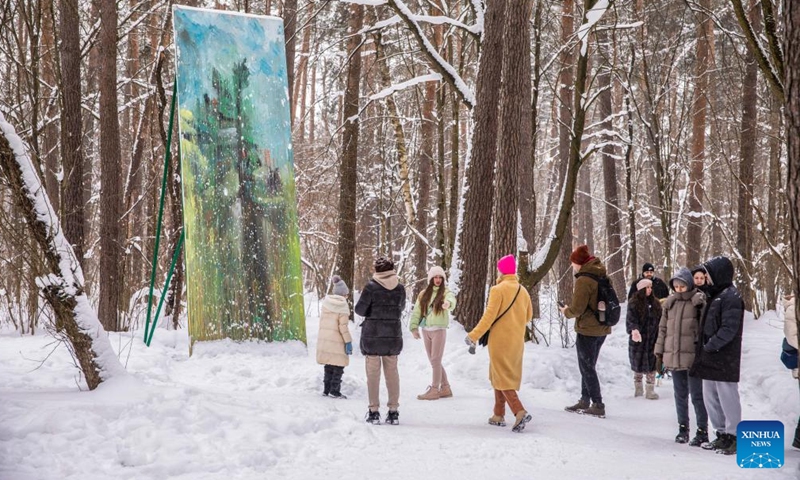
[333,331]
[680,323]
[718,353]
[381,304]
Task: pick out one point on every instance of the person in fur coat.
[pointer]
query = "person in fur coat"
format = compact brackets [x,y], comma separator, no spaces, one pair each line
[334,342]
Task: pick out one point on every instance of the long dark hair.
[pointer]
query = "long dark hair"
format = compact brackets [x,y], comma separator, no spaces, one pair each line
[425,298]
[640,301]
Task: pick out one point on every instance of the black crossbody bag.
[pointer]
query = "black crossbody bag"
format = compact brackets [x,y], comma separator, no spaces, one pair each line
[484,340]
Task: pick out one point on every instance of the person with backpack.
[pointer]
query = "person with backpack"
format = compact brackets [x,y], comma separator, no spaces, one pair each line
[508,311]
[660,290]
[644,313]
[431,314]
[590,332]
[718,354]
[381,304]
[677,332]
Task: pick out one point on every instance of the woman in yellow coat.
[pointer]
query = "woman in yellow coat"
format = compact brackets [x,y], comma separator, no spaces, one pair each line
[507,313]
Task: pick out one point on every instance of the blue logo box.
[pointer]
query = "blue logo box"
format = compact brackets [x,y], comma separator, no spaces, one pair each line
[759,444]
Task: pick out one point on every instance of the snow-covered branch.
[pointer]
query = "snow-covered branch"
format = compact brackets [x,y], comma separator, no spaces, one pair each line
[437,62]
[431,77]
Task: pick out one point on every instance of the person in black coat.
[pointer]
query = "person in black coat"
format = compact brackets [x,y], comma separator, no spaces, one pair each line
[381,304]
[644,314]
[660,290]
[719,353]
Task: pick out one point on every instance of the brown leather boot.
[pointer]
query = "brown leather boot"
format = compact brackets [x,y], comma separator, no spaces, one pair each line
[431,394]
[445,392]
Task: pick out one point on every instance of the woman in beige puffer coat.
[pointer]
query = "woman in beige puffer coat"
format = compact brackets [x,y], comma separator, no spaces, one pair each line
[334,342]
[675,347]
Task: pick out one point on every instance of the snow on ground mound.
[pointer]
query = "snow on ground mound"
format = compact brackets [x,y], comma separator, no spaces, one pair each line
[254,411]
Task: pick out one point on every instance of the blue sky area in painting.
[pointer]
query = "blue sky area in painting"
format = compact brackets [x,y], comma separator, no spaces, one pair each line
[207,38]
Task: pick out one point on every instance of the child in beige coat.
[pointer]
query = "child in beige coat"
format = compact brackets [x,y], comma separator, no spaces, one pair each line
[334,342]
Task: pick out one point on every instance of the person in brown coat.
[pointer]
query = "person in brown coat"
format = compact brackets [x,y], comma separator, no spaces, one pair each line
[677,332]
[507,312]
[590,332]
[334,342]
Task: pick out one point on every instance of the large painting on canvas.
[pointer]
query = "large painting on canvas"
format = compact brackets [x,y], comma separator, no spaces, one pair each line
[240,211]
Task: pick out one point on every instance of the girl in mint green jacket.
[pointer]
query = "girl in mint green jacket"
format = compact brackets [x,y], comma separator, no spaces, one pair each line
[432,314]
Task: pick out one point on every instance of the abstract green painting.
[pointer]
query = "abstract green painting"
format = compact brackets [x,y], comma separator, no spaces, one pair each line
[240,212]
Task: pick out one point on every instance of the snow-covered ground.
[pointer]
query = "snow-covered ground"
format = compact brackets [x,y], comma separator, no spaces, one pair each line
[254,411]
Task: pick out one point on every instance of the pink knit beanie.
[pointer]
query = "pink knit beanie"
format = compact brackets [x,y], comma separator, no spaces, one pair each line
[507,265]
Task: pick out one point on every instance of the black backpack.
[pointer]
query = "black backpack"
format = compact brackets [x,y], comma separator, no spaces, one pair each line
[605,293]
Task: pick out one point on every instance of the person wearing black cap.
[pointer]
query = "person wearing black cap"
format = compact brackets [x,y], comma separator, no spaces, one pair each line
[660,290]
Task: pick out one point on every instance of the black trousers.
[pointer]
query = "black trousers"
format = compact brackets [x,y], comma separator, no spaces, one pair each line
[333,379]
[588,350]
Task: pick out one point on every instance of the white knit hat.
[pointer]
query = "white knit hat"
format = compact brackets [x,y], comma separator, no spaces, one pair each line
[436,271]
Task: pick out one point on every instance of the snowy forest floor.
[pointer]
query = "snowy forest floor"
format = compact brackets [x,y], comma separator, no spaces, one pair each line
[255,411]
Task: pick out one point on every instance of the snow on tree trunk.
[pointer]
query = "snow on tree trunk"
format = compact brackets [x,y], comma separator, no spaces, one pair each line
[62,287]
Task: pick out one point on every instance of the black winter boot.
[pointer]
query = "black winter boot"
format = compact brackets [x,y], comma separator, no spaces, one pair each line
[374,417]
[327,380]
[683,434]
[729,447]
[393,417]
[336,382]
[715,444]
[796,442]
[700,437]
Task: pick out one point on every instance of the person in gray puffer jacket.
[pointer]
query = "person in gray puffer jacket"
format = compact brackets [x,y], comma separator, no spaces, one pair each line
[675,347]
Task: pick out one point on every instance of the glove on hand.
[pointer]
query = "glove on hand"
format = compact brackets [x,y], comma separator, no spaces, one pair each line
[348,348]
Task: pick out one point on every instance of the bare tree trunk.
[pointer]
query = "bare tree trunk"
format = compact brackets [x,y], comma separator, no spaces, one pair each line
[567,59]
[289,30]
[515,135]
[792,49]
[346,252]
[50,140]
[71,127]
[775,200]
[608,156]
[694,229]
[110,163]
[427,132]
[476,216]
[441,182]
[583,218]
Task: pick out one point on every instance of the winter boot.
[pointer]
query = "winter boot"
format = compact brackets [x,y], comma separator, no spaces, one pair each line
[431,394]
[336,383]
[700,437]
[650,392]
[638,391]
[497,421]
[445,392]
[683,434]
[578,407]
[796,442]
[729,448]
[714,444]
[327,381]
[374,417]
[596,410]
[393,417]
[522,419]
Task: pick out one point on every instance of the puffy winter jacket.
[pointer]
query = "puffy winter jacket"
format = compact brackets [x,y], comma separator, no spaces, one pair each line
[333,331]
[679,325]
[719,343]
[641,354]
[381,332]
[432,319]
[790,325]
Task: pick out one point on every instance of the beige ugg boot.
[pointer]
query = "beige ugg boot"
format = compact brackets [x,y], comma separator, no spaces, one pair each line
[638,391]
[431,394]
[445,392]
[650,393]
[497,421]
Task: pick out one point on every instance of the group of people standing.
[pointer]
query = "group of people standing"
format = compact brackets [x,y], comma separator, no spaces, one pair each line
[695,333]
